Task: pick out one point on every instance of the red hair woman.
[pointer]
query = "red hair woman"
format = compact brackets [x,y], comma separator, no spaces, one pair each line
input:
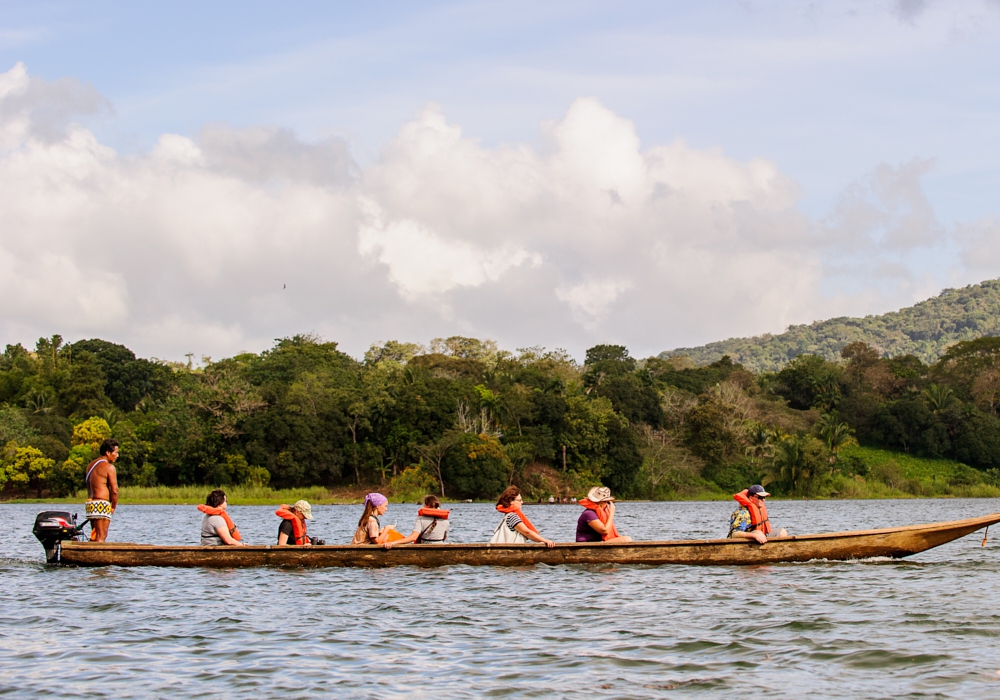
[515,526]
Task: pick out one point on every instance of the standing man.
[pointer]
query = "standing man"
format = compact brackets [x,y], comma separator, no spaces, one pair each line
[102,491]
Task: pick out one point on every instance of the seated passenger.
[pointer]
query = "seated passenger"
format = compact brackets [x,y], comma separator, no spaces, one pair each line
[431,524]
[292,530]
[370,530]
[217,528]
[597,521]
[750,519]
[515,527]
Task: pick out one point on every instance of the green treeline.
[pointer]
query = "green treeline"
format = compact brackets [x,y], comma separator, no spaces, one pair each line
[465,419]
[925,330]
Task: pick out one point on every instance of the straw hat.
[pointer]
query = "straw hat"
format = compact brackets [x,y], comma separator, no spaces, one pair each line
[599,494]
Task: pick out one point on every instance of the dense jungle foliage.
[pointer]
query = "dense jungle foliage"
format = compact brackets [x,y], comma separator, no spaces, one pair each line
[465,419]
[925,330]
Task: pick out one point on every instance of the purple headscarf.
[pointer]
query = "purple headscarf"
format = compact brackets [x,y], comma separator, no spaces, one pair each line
[376,499]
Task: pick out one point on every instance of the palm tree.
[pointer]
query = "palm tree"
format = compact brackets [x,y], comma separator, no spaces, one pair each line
[790,463]
[111,416]
[519,454]
[777,435]
[827,394]
[761,445]
[939,398]
[39,403]
[835,433]
[842,435]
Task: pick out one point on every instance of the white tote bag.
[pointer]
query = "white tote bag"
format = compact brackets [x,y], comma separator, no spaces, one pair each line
[504,535]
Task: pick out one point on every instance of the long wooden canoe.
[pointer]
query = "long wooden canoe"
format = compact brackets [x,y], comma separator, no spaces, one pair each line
[892,542]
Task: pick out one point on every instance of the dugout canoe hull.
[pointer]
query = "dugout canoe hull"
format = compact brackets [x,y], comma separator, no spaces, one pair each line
[894,542]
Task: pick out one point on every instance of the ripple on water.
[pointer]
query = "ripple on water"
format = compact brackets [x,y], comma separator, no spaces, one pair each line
[840,629]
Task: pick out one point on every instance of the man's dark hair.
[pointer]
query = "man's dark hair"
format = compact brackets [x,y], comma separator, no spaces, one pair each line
[108,446]
[216,498]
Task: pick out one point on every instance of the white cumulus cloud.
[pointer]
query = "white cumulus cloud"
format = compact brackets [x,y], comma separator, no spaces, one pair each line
[591,301]
[224,240]
[421,263]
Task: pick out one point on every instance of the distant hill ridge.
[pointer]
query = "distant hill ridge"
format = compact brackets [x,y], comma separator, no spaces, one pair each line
[925,330]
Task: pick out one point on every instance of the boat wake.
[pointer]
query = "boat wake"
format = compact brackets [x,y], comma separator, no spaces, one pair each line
[866,560]
[15,561]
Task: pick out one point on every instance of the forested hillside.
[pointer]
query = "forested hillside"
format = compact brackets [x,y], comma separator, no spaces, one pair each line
[466,419]
[924,330]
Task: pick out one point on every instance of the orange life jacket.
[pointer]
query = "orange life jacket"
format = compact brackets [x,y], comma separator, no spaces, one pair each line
[603,515]
[758,514]
[209,510]
[520,513]
[437,514]
[391,534]
[298,525]
[434,513]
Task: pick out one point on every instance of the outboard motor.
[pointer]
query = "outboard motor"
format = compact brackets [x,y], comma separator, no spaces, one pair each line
[54,526]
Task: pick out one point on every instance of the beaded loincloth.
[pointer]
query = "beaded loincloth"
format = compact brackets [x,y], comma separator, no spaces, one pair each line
[98,510]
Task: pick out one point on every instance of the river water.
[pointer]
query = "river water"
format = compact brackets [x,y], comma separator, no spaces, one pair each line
[928,626]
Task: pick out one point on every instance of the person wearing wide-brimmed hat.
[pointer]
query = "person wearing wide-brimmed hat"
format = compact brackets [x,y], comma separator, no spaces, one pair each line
[750,520]
[597,522]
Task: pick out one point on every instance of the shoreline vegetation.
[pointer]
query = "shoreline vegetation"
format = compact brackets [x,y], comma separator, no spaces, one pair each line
[891,475]
[464,419]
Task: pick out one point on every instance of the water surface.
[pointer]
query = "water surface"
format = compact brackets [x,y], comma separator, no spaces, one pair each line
[928,626]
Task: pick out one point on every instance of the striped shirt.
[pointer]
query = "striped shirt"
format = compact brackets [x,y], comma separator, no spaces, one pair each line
[513,520]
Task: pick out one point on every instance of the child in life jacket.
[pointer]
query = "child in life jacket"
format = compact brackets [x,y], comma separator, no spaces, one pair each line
[370,530]
[431,524]
[750,520]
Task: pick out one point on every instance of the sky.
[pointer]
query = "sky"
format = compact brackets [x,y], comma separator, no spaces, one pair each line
[208,177]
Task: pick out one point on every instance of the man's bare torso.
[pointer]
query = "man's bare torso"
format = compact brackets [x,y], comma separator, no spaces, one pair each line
[103,479]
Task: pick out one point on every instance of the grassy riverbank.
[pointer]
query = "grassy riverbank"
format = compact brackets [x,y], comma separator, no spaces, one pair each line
[862,473]
[236,495]
[866,472]
[869,473]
